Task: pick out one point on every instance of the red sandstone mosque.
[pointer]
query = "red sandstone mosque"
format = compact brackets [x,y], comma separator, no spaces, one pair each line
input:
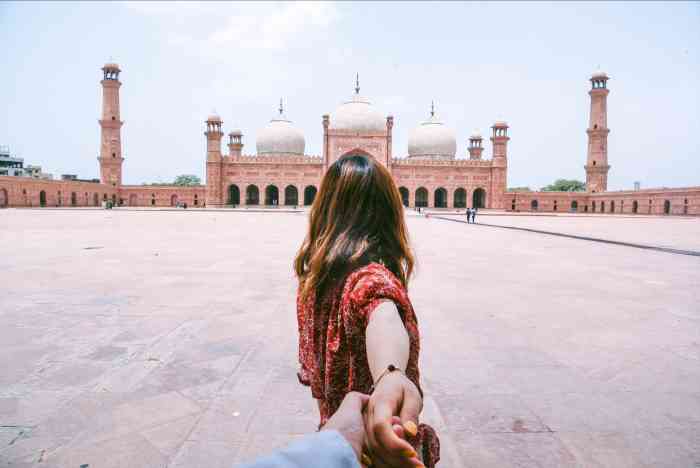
[280,173]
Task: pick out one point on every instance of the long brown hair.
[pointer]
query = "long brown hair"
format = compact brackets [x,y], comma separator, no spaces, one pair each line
[356,218]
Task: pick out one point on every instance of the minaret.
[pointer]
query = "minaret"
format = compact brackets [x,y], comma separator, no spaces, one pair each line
[110,125]
[214,160]
[499,165]
[597,162]
[235,143]
[475,145]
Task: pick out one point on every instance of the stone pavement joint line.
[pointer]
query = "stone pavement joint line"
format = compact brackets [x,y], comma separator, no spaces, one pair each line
[692,253]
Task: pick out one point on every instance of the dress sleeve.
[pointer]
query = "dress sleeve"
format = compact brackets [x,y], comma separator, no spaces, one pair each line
[369,288]
[303,374]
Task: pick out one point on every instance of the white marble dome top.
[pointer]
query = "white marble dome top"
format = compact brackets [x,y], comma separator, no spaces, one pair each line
[280,137]
[432,139]
[358,115]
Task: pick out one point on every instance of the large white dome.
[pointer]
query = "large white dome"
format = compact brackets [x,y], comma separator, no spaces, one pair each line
[358,115]
[432,140]
[280,137]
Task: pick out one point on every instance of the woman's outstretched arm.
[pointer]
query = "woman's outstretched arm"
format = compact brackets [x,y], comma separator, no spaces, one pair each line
[387,340]
[394,395]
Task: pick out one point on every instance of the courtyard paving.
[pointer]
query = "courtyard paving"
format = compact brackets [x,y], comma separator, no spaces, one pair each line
[163,338]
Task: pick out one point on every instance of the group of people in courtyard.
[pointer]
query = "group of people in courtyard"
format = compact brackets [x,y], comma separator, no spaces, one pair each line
[471,215]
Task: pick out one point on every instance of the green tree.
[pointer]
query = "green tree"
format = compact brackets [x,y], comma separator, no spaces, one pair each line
[187,180]
[565,185]
[519,189]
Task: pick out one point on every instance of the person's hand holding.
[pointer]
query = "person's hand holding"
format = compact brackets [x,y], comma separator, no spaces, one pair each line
[348,421]
[394,395]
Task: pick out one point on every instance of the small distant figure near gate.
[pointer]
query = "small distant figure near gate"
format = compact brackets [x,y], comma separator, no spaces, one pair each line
[469,214]
[474,215]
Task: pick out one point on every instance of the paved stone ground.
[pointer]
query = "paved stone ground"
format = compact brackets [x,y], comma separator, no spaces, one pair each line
[151,339]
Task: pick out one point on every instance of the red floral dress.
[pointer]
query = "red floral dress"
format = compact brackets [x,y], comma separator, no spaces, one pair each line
[332,350]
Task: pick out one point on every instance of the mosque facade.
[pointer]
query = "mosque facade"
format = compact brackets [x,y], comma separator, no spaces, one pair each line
[280,173]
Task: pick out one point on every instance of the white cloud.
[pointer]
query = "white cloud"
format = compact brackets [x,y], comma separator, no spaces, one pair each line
[208,28]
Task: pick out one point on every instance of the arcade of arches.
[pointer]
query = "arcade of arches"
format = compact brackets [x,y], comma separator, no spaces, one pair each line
[272,195]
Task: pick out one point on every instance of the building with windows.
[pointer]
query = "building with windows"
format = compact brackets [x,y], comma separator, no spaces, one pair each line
[429,173]
[35,172]
[9,165]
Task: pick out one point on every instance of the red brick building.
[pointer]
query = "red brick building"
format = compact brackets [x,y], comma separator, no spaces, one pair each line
[281,173]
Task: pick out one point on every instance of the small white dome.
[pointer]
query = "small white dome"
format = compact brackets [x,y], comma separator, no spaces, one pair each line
[280,137]
[600,75]
[475,134]
[358,115]
[432,139]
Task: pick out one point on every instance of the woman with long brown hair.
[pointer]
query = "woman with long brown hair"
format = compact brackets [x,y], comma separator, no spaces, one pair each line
[357,327]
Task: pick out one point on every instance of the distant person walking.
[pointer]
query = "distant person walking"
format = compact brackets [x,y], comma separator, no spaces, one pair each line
[473,215]
[469,215]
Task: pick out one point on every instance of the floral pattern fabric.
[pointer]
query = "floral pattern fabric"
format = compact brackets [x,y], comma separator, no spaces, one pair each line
[332,351]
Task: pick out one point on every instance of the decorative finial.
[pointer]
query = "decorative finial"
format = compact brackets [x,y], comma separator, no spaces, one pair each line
[281,109]
[432,108]
[357,84]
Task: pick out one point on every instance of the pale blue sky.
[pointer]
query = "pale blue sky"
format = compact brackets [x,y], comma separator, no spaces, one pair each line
[527,63]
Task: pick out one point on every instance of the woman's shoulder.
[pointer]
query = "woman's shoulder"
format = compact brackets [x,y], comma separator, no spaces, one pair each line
[371,281]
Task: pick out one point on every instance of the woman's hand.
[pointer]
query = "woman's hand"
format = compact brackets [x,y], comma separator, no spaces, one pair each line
[394,395]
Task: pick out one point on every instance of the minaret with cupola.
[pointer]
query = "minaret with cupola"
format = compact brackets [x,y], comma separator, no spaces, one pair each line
[499,165]
[476,145]
[214,160]
[235,143]
[110,157]
[597,161]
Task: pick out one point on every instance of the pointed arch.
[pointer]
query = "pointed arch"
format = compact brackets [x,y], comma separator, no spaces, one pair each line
[479,198]
[272,195]
[421,197]
[404,195]
[234,195]
[440,198]
[460,198]
[291,195]
[252,195]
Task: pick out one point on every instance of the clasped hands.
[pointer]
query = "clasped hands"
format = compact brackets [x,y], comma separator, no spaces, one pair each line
[377,426]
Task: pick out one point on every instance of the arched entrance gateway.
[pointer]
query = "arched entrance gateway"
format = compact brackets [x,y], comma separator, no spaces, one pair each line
[421,197]
[440,198]
[42,198]
[173,200]
[309,195]
[479,198]
[291,196]
[234,195]
[460,198]
[252,195]
[4,201]
[272,195]
[404,195]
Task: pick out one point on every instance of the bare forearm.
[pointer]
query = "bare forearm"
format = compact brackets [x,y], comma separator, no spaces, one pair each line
[387,340]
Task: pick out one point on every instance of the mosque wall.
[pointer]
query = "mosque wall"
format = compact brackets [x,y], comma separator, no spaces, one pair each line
[663,201]
[28,192]
[162,195]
